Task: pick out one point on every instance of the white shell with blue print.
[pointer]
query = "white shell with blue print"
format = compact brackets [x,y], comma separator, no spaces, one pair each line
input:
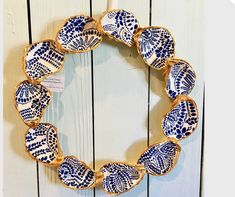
[182,120]
[76,174]
[42,59]
[160,159]
[181,79]
[79,34]
[121,25]
[31,100]
[155,45]
[42,143]
[120,177]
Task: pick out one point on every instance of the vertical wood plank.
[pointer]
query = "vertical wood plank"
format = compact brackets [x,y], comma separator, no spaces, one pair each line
[71,110]
[184,19]
[120,98]
[19,170]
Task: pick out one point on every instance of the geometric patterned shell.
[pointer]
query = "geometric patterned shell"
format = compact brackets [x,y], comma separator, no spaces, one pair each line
[182,120]
[120,177]
[120,25]
[31,100]
[42,143]
[79,34]
[181,79]
[155,45]
[42,59]
[76,174]
[160,159]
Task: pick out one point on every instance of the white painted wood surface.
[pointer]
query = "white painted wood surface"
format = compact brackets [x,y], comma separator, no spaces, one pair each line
[184,20]
[119,93]
[20,173]
[120,98]
[71,110]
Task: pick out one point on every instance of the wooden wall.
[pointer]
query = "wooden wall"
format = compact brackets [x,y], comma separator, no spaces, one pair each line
[112,104]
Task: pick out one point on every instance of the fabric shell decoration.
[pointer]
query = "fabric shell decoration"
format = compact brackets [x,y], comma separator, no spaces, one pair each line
[120,177]
[155,45]
[42,144]
[160,159]
[120,25]
[42,59]
[76,174]
[182,120]
[30,101]
[181,78]
[79,34]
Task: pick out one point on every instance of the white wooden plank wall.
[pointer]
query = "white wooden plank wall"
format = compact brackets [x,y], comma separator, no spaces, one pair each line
[185,21]
[71,110]
[120,98]
[20,173]
[102,115]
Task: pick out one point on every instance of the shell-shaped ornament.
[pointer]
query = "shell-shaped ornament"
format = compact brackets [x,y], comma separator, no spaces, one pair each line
[79,34]
[42,59]
[156,45]
[119,25]
[182,119]
[159,159]
[75,174]
[120,177]
[42,144]
[180,78]
[30,101]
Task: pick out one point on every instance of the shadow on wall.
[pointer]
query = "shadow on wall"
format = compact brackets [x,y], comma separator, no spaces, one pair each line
[157,111]
[13,75]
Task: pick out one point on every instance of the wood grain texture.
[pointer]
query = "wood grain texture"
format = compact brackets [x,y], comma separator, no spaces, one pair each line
[20,175]
[115,81]
[71,110]
[120,98]
[184,20]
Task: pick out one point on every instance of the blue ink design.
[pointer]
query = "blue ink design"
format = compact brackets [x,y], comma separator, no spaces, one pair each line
[181,121]
[181,79]
[31,100]
[160,158]
[41,142]
[76,174]
[79,34]
[119,178]
[121,25]
[42,59]
[156,45]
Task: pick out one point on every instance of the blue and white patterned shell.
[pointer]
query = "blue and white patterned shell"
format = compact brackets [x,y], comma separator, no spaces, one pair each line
[79,34]
[42,143]
[76,174]
[155,45]
[182,120]
[42,59]
[160,159]
[31,100]
[121,25]
[181,79]
[120,177]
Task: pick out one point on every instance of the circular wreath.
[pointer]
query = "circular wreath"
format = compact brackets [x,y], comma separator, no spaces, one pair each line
[81,34]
